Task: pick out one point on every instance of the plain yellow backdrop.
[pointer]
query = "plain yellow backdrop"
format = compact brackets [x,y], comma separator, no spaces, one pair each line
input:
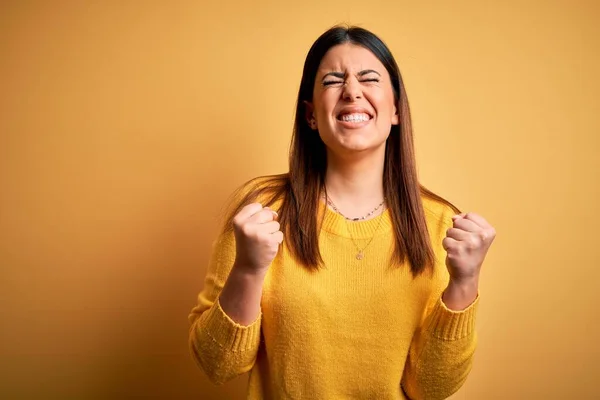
[124,126]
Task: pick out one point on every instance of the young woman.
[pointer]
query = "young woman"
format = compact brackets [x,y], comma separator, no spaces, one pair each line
[344,278]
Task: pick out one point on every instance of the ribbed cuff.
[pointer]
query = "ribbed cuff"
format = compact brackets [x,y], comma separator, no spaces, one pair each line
[448,324]
[229,334]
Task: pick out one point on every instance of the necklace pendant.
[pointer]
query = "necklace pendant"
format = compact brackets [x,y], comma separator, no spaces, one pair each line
[360,255]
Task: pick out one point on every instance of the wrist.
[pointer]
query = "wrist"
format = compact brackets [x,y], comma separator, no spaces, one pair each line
[242,293]
[248,272]
[460,294]
[465,283]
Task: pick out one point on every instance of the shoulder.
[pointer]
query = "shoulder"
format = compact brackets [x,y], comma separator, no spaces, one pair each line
[266,190]
[438,214]
[438,217]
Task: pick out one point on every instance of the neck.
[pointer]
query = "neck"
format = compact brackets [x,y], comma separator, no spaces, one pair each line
[356,187]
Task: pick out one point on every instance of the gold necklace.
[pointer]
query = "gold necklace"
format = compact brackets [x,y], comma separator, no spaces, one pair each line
[357,218]
[360,253]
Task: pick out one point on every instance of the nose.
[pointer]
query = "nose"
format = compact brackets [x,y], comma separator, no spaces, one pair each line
[352,90]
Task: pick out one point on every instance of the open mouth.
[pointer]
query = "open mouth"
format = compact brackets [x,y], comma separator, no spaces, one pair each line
[354,117]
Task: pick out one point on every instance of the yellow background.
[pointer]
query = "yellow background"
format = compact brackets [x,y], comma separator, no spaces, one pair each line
[125,125]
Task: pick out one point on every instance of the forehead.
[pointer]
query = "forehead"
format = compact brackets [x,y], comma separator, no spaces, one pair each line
[349,57]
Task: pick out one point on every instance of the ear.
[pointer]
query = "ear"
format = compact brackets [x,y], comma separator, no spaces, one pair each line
[309,115]
[395,117]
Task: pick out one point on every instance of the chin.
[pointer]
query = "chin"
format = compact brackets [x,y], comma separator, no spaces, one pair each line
[359,147]
[353,141]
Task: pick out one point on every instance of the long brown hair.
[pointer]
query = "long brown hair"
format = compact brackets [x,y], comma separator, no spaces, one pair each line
[298,190]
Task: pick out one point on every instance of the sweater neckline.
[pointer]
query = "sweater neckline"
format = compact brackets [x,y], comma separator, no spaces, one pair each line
[334,223]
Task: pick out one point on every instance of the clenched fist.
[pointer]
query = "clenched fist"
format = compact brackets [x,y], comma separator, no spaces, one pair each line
[467,243]
[257,237]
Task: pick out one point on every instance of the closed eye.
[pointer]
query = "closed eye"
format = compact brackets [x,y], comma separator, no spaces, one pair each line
[329,83]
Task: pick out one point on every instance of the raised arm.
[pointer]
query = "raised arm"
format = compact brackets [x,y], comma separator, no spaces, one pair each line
[441,354]
[225,325]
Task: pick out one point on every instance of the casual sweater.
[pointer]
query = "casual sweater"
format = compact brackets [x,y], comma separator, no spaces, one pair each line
[355,329]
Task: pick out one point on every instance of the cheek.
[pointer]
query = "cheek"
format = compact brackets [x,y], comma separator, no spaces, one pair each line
[323,107]
[384,104]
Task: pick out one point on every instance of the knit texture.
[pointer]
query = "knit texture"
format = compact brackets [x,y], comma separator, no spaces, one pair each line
[356,329]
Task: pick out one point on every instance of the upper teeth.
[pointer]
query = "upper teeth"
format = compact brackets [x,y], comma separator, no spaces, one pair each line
[357,117]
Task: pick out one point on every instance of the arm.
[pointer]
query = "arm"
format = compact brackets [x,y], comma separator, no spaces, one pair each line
[442,350]
[441,353]
[225,325]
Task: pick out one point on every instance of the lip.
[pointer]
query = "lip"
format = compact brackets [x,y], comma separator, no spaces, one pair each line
[352,110]
[353,125]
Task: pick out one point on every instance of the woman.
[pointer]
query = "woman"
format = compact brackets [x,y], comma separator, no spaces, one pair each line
[329,282]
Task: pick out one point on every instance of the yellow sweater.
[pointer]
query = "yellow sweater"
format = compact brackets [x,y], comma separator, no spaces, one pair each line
[356,329]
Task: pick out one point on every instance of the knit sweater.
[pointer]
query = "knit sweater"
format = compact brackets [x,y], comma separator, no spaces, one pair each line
[355,329]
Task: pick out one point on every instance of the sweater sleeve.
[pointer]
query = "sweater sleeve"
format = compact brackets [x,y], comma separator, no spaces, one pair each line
[442,350]
[223,348]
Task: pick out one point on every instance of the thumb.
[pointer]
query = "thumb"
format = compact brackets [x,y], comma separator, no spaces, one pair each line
[458,216]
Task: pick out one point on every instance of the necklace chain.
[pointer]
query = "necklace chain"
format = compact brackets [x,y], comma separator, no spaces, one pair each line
[357,218]
[360,254]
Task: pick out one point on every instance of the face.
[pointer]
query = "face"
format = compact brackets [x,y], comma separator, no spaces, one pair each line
[353,105]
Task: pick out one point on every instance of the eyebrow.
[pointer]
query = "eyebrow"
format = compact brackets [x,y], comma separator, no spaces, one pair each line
[341,74]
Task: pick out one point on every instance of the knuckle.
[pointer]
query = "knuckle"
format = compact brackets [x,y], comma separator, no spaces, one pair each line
[237,220]
[448,245]
[472,243]
[260,236]
[277,239]
[246,229]
[270,213]
[266,215]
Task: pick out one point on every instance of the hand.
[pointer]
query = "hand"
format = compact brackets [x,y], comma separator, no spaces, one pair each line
[257,237]
[467,243]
